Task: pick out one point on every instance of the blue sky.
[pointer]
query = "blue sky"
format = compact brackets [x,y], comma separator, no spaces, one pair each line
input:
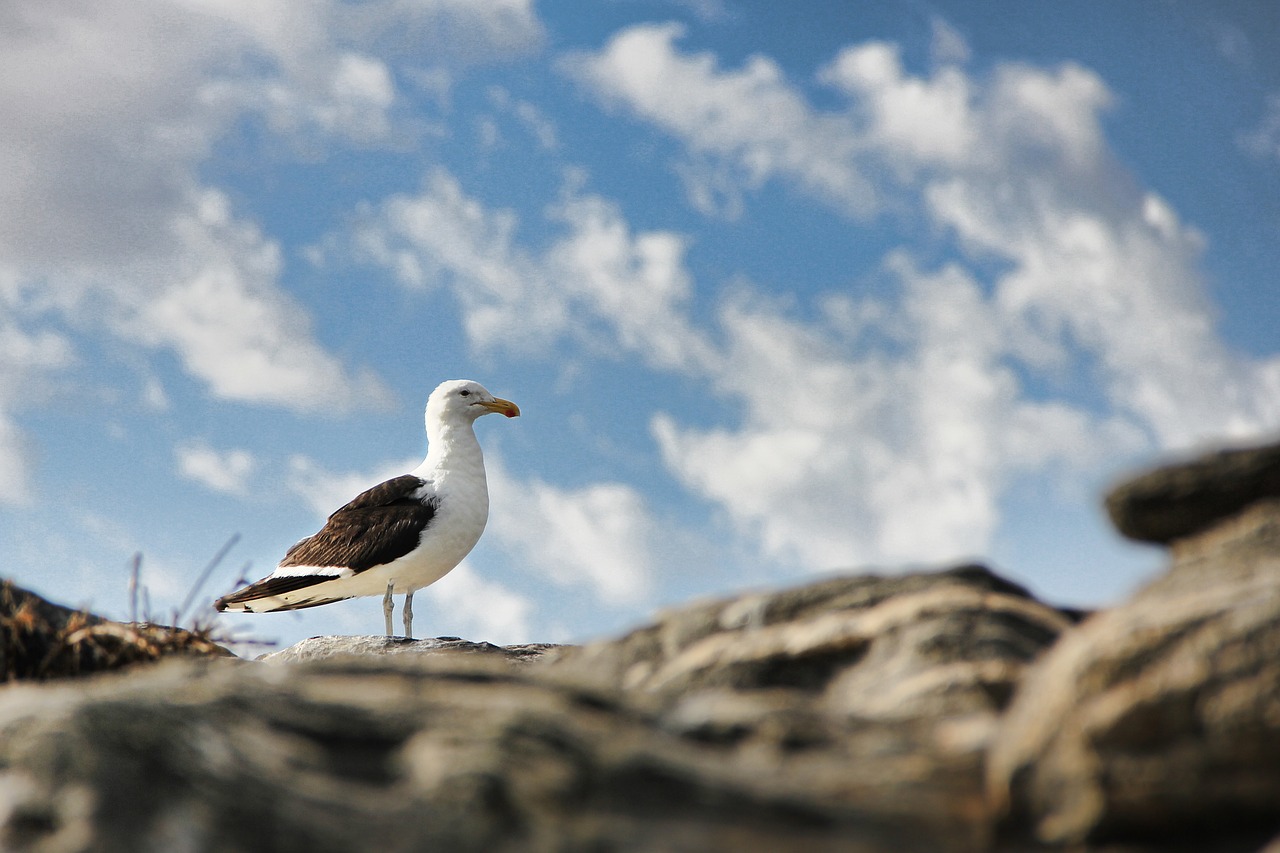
[781,289]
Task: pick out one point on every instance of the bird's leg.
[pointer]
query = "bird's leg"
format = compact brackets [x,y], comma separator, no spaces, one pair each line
[388,605]
[408,615]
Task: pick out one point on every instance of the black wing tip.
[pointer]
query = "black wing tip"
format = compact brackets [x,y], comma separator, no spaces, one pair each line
[239,597]
[270,587]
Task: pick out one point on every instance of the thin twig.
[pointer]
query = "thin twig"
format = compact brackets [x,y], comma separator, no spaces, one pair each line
[244,574]
[135,569]
[204,576]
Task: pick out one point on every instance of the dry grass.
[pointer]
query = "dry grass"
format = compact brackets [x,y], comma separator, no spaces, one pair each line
[41,641]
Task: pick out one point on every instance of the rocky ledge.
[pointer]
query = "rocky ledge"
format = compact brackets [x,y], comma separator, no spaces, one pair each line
[940,711]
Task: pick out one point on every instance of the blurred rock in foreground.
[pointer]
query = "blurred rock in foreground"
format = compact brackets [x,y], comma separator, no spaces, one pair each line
[946,711]
[1158,721]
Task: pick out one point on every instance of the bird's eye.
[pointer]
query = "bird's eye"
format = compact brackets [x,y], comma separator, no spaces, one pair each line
[464,393]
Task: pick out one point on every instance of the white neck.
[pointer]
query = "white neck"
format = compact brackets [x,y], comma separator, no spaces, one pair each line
[452,448]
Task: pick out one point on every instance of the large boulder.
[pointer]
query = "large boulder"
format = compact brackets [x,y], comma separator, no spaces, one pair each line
[1158,721]
[402,754]
[932,711]
[1177,501]
[923,645]
[743,729]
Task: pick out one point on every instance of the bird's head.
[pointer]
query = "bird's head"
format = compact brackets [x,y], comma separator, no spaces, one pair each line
[463,399]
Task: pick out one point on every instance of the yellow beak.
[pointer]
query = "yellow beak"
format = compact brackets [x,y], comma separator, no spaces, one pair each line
[502,407]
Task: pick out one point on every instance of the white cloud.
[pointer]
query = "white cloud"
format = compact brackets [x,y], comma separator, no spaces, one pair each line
[636,283]
[15,470]
[454,32]
[234,328]
[599,283]
[111,109]
[1263,140]
[600,536]
[896,437]
[352,100]
[1017,168]
[534,121]
[748,125]
[909,121]
[947,45]
[324,491]
[154,396]
[479,608]
[443,235]
[225,471]
[28,358]
[849,455]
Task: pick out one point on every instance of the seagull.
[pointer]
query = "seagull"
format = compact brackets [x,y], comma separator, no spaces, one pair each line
[400,535]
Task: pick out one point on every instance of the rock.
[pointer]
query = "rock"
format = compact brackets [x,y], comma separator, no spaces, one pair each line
[906,646]
[454,753]
[746,726]
[946,711]
[1177,501]
[320,648]
[40,640]
[1158,721]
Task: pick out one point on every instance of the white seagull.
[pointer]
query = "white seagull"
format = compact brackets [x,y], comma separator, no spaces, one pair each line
[400,535]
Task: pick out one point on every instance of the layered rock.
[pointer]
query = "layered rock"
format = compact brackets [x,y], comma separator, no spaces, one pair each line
[946,711]
[742,724]
[1178,501]
[1158,721]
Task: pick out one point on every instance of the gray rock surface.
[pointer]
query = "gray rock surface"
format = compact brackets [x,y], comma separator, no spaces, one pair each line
[459,754]
[946,711]
[322,648]
[1158,721]
[748,733]
[925,645]
[1180,500]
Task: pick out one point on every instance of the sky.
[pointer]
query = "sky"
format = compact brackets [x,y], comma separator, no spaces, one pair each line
[782,289]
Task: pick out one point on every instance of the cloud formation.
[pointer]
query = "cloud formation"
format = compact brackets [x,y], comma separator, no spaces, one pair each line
[475,606]
[885,429]
[600,536]
[113,107]
[740,128]
[225,471]
[599,284]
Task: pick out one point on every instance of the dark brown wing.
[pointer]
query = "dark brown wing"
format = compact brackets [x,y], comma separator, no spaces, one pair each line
[378,526]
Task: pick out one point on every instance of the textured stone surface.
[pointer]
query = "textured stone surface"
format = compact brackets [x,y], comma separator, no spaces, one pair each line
[321,648]
[895,647]
[748,731]
[1176,501]
[458,753]
[1158,721]
[944,711]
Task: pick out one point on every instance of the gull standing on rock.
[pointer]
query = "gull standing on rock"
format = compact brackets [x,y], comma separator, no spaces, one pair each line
[400,535]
